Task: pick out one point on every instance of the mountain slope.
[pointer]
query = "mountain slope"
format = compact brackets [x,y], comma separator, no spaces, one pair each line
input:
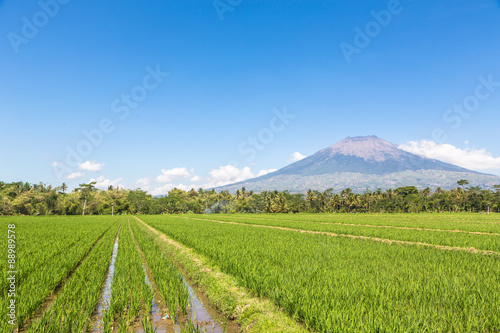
[361,163]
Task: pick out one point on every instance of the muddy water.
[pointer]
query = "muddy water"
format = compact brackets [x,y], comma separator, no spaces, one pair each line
[201,316]
[106,294]
[197,313]
[159,321]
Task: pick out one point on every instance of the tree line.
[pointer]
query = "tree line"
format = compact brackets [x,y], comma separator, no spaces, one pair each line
[20,198]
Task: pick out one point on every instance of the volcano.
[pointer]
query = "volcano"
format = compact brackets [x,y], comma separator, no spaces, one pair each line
[360,163]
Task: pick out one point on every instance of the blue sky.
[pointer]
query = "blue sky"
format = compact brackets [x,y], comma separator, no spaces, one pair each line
[235,68]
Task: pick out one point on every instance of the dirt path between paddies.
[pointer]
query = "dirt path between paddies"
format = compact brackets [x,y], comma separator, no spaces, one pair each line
[253,314]
[374,226]
[375,239]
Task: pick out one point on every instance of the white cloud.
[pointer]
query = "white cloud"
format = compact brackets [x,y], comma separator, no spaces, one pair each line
[228,174]
[163,190]
[195,178]
[91,166]
[297,156]
[74,175]
[265,172]
[143,183]
[103,183]
[55,163]
[170,174]
[223,175]
[475,159]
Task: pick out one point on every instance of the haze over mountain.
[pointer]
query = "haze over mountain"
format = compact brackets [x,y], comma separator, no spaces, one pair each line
[360,163]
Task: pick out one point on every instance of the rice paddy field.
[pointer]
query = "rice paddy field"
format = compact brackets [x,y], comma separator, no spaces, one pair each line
[323,272]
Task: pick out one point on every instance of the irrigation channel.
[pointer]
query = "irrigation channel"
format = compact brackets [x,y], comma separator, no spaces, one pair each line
[106,294]
[199,313]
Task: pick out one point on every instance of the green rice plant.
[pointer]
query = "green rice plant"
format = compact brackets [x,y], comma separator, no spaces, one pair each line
[147,325]
[340,284]
[167,278]
[129,289]
[183,295]
[123,325]
[48,250]
[445,221]
[107,321]
[75,303]
[466,239]
[148,299]
[189,327]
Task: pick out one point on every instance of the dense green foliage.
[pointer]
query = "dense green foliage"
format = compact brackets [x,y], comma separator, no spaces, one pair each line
[339,284]
[27,199]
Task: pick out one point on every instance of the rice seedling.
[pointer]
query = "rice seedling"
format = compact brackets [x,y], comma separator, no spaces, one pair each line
[167,278]
[75,303]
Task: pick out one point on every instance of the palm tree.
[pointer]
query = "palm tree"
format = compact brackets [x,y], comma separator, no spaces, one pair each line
[310,198]
[426,192]
[85,193]
[463,182]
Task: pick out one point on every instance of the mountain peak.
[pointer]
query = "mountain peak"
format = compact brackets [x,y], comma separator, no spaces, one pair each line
[363,162]
[366,147]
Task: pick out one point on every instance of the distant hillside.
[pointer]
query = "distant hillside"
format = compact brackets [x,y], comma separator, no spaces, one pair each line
[360,163]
